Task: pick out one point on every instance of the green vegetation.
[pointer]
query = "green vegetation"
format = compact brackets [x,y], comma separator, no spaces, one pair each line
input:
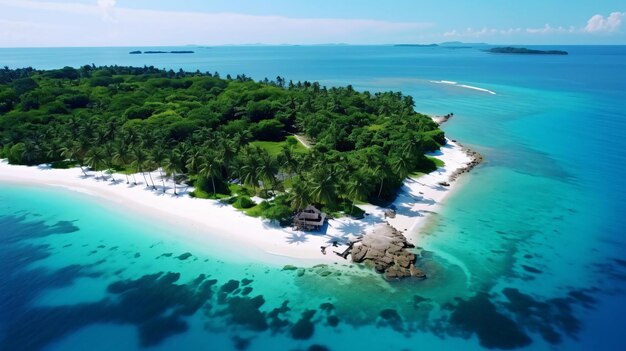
[274,148]
[438,162]
[230,138]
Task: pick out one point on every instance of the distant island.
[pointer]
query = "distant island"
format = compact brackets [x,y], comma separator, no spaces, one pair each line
[460,45]
[512,50]
[138,52]
[418,45]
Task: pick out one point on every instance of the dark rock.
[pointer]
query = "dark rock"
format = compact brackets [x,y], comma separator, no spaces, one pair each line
[385,249]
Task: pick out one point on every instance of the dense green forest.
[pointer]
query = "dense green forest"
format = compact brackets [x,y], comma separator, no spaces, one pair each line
[230,137]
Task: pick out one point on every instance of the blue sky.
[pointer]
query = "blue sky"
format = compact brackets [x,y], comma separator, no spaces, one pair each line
[219,22]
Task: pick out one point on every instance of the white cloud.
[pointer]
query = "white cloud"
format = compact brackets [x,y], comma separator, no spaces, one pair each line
[596,24]
[107,7]
[105,23]
[599,24]
[546,29]
[480,33]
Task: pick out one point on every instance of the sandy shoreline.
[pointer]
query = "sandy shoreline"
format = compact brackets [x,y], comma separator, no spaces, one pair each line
[211,220]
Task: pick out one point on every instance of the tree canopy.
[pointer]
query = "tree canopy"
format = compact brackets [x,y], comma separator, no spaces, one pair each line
[205,127]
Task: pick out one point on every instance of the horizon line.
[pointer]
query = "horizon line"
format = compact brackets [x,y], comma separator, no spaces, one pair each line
[286,44]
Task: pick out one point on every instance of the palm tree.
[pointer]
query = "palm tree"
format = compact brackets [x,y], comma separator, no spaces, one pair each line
[288,161]
[413,147]
[139,159]
[357,190]
[172,167]
[401,166]
[120,155]
[193,161]
[158,156]
[211,167]
[323,190]
[95,160]
[267,169]
[73,152]
[379,173]
[299,194]
[248,172]
[149,164]
[109,153]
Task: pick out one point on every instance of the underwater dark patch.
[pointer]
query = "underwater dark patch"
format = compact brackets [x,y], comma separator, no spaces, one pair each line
[419,299]
[550,316]
[318,348]
[230,286]
[392,319]
[241,343]
[226,289]
[19,228]
[154,331]
[531,269]
[583,297]
[620,262]
[327,307]
[494,330]
[153,303]
[304,328]
[275,322]
[333,321]
[246,312]
[184,256]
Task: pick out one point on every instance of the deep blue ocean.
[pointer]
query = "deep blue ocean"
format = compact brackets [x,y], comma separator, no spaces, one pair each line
[529,254]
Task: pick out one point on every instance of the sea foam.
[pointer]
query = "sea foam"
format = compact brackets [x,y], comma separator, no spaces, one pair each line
[463,86]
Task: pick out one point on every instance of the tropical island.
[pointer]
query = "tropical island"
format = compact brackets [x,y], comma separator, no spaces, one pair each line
[524,51]
[270,148]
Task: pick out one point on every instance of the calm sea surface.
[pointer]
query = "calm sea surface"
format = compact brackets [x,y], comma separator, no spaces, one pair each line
[529,254]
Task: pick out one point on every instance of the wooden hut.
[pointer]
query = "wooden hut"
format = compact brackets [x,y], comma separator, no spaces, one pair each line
[309,219]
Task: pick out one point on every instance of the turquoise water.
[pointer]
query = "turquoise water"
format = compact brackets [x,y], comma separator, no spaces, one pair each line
[529,254]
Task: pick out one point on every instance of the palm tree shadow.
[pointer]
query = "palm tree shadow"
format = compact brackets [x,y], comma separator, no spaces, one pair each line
[408,211]
[350,228]
[297,238]
[220,203]
[44,167]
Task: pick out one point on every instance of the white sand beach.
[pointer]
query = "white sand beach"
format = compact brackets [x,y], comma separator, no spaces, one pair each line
[212,220]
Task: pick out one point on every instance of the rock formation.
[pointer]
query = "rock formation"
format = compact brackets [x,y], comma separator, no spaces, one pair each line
[386,249]
[476,160]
